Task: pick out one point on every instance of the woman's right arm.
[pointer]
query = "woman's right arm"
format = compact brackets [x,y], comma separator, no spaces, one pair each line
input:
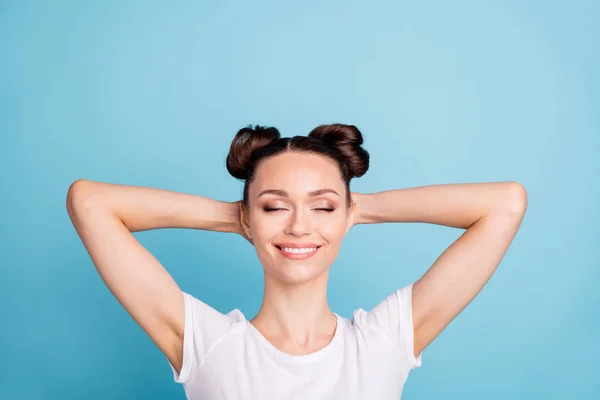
[104,216]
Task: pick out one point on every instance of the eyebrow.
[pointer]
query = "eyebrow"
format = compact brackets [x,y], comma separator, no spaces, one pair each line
[283,193]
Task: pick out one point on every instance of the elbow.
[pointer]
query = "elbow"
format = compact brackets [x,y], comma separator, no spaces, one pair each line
[516,199]
[79,196]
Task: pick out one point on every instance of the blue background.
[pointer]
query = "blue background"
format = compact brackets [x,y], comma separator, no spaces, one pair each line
[150,93]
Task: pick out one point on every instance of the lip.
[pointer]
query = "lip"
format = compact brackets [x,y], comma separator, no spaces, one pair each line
[295,256]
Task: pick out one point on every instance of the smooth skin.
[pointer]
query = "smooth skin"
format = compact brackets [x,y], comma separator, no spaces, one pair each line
[294,315]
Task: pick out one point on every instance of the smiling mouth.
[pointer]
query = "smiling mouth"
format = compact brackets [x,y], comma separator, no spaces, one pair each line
[297,253]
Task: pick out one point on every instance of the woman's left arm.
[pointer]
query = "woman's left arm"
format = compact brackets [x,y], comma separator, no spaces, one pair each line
[491,213]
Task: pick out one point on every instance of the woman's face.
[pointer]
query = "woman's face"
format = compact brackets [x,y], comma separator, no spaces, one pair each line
[297,215]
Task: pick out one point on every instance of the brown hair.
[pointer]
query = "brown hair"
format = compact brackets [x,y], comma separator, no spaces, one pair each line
[341,143]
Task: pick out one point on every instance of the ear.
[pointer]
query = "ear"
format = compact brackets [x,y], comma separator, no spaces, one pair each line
[244,221]
[351,216]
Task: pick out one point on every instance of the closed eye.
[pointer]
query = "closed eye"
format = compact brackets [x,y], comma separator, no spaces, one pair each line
[270,209]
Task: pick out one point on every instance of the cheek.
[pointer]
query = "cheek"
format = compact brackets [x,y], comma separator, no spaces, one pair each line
[333,230]
[265,229]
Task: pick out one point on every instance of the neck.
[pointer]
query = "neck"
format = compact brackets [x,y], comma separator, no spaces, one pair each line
[296,316]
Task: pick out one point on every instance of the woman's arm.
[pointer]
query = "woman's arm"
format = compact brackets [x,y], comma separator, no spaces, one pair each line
[491,213]
[104,216]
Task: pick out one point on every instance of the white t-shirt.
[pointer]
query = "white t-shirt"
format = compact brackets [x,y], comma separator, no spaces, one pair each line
[369,357]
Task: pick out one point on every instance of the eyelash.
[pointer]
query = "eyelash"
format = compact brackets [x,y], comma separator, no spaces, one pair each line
[269,209]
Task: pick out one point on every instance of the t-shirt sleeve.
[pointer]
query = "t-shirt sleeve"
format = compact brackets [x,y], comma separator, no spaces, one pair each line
[394,317]
[203,327]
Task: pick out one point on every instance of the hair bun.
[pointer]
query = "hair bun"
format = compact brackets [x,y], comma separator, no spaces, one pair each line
[245,142]
[347,141]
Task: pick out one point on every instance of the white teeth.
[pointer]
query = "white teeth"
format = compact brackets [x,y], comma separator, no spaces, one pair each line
[301,250]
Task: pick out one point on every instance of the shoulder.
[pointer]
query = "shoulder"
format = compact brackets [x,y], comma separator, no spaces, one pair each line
[388,313]
[207,325]
[392,320]
[205,328]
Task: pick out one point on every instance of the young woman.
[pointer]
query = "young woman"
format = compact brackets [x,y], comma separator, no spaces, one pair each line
[296,209]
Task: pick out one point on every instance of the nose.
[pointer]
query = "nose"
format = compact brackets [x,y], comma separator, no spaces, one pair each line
[299,223]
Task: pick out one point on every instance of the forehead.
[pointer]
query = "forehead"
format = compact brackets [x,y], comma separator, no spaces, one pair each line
[297,173]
